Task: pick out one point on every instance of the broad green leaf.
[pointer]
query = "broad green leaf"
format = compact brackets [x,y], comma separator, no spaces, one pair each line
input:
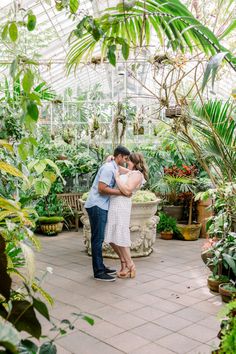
[26,147]
[48,348]
[42,186]
[9,337]
[27,347]
[13,67]
[111,54]
[40,166]
[41,308]
[74,5]
[50,175]
[31,23]
[125,50]
[32,110]
[28,81]
[89,320]
[4,166]
[13,32]
[5,32]
[23,317]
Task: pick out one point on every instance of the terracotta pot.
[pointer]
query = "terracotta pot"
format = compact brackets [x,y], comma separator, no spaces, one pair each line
[226,295]
[203,214]
[175,211]
[166,235]
[213,284]
[190,232]
[51,229]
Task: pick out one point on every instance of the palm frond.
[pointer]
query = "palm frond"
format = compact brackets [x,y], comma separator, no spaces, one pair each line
[132,26]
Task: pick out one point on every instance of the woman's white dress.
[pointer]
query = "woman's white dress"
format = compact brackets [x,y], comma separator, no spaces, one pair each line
[118,219]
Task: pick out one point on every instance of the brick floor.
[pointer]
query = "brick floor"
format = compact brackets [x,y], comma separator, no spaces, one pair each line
[166,309]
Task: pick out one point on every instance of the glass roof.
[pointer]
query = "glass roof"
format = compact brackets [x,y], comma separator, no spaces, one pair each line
[48,43]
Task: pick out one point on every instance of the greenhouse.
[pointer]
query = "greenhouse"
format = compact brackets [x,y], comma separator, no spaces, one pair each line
[118,176]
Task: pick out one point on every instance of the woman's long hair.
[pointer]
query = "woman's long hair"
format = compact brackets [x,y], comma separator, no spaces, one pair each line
[139,164]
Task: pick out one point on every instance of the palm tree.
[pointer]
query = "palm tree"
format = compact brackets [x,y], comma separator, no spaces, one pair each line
[215,142]
[130,24]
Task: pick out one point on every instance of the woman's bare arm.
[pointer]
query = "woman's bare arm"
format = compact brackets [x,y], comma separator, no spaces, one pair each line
[134,181]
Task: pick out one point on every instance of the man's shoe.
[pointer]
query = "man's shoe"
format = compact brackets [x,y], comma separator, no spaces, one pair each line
[110,271]
[104,277]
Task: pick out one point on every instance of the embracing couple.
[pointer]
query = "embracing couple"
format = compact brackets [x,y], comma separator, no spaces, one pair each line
[109,208]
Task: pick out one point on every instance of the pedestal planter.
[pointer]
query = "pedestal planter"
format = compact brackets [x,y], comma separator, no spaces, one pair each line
[166,235]
[227,294]
[175,211]
[51,226]
[190,232]
[142,229]
[203,214]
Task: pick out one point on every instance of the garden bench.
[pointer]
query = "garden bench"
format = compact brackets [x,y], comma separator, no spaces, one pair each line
[72,201]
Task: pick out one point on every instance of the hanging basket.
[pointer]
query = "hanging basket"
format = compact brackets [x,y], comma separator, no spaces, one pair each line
[173,112]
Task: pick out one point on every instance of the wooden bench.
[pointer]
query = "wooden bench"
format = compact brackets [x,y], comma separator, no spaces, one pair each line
[72,201]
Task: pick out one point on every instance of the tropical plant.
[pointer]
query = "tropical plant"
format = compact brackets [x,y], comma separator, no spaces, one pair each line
[166,223]
[129,25]
[214,143]
[223,256]
[224,206]
[227,332]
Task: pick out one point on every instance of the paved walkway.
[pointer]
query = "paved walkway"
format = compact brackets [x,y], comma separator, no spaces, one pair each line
[166,309]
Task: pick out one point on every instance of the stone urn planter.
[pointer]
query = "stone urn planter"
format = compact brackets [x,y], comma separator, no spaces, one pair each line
[142,229]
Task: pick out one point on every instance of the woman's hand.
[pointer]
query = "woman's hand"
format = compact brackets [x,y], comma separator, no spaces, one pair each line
[109,158]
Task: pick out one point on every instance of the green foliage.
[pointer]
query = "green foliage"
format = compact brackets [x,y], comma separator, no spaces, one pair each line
[223,256]
[166,223]
[50,219]
[134,24]
[228,330]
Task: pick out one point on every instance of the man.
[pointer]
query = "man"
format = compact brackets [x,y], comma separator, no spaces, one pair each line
[97,206]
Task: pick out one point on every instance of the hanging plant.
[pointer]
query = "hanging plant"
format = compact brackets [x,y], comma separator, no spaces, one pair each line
[138,128]
[173,112]
[119,117]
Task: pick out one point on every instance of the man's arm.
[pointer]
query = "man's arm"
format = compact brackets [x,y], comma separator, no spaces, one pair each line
[105,189]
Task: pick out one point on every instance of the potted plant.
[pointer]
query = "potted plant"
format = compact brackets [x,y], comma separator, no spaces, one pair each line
[227,291]
[214,280]
[166,226]
[175,187]
[222,260]
[50,210]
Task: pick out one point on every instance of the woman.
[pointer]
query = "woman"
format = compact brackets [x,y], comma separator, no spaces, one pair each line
[117,232]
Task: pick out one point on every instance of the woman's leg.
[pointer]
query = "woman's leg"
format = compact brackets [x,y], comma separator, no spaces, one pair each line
[125,252]
[118,252]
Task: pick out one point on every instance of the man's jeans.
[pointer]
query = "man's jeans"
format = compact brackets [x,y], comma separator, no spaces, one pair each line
[98,219]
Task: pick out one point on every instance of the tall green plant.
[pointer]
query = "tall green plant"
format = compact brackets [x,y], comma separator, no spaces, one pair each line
[129,25]
[215,141]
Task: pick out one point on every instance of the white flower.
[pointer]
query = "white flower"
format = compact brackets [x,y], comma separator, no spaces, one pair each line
[49,270]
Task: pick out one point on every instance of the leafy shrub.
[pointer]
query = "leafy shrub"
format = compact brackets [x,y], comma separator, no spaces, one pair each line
[166,223]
